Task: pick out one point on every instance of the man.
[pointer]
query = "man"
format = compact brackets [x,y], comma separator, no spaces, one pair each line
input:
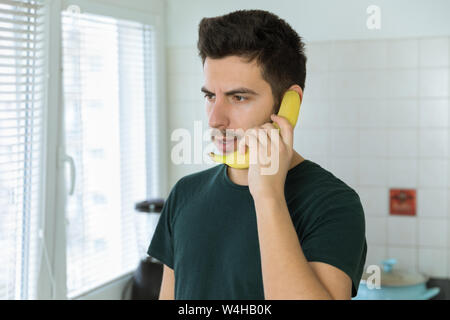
[227,233]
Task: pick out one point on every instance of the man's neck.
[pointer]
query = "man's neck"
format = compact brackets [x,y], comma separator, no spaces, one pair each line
[240,176]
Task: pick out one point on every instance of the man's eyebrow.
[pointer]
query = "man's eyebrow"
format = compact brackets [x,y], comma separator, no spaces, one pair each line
[232,92]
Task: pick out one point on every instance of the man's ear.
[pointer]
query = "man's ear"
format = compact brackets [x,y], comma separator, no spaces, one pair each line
[298,89]
[294,87]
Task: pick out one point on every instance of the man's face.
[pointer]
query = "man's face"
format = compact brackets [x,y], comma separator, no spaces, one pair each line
[237,97]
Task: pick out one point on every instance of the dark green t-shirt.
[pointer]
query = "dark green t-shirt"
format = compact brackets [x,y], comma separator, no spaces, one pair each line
[207,232]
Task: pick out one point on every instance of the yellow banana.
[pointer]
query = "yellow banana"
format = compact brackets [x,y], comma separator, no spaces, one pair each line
[233,159]
[290,109]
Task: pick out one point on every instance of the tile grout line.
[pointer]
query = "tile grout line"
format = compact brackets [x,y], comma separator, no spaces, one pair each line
[417,266]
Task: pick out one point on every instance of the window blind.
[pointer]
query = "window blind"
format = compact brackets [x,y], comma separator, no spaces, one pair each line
[107,90]
[21,135]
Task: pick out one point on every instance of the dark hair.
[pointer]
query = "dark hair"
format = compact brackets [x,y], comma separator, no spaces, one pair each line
[259,34]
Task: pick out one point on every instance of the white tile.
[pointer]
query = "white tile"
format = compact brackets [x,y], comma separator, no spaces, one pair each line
[318,55]
[375,200]
[185,87]
[433,262]
[403,53]
[371,84]
[318,85]
[402,113]
[432,232]
[432,173]
[402,231]
[183,60]
[345,169]
[344,113]
[342,55]
[403,173]
[373,142]
[345,142]
[406,257]
[307,100]
[433,52]
[373,172]
[372,113]
[432,202]
[311,142]
[179,118]
[371,54]
[433,143]
[403,143]
[434,82]
[375,254]
[376,230]
[448,174]
[200,113]
[448,263]
[402,83]
[434,113]
[343,85]
[314,114]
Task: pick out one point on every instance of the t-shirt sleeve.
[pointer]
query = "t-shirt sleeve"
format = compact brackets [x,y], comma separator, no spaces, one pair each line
[337,237]
[161,245]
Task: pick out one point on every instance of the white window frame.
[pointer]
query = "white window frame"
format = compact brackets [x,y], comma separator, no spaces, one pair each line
[52,278]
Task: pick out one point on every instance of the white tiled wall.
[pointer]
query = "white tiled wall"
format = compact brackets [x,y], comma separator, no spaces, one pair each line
[376,114]
[388,126]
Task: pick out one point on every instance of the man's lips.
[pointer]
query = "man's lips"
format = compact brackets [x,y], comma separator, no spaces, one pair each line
[226,140]
[223,140]
[226,145]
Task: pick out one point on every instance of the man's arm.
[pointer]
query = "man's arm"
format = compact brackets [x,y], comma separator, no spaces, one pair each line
[286,272]
[167,291]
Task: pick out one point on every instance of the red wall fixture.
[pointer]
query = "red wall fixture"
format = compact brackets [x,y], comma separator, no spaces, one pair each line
[402,202]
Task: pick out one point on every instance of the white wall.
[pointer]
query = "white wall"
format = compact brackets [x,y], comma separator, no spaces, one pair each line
[318,20]
[376,114]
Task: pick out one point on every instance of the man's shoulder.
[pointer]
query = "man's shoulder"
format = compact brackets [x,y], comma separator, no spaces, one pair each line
[323,186]
[313,176]
[326,198]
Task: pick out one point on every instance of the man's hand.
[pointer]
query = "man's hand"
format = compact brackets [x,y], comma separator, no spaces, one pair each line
[271,152]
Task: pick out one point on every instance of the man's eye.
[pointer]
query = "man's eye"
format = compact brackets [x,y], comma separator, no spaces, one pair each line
[208,96]
[240,98]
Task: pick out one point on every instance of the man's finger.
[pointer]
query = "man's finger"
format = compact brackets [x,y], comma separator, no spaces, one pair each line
[286,130]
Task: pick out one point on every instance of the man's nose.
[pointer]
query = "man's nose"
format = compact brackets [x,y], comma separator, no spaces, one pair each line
[218,116]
